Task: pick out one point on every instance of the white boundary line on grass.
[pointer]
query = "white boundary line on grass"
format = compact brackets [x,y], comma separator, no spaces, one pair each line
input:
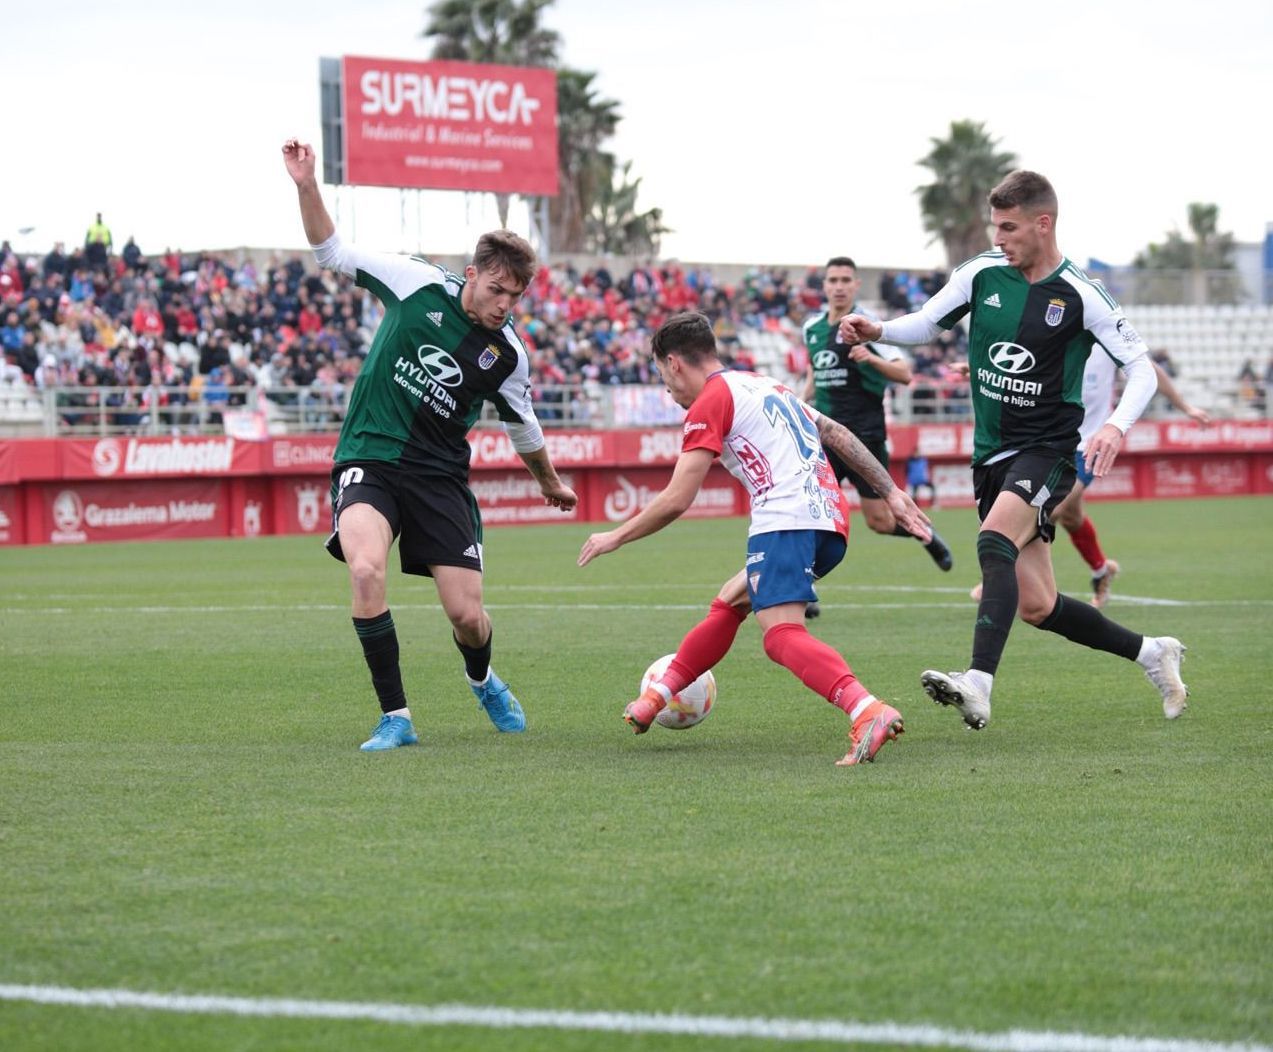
[828,1030]
[258,608]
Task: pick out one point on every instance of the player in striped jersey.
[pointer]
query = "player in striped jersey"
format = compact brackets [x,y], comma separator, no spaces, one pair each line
[1035,318]
[847,383]
[445,345]
[773,444]
[1071,514]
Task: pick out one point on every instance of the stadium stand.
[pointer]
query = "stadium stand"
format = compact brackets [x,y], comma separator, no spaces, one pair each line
[171,342]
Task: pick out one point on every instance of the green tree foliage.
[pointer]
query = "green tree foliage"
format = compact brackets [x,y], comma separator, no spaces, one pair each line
[500,32]
[615,227]
[584,122]
[1202,268]
[966,166]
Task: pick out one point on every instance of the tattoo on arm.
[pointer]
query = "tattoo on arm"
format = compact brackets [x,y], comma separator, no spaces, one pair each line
[845,445]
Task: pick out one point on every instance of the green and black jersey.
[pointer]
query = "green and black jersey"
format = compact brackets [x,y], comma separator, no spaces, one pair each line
[429,368]
[1027,346]
[849,392]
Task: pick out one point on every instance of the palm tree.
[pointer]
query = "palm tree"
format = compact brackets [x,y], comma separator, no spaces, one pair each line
[614,225]
[1207,252]
[584,122]
[966,166]
[503,32]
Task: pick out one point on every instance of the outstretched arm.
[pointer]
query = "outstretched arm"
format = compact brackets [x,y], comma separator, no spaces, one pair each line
[845,445]
[300,160]
[667,507]
[1165,385]
[556,493]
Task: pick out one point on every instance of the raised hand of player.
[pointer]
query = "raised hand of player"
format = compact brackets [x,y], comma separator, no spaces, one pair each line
[908,513]
[299,158]
[597,544]
[856,328]
[1102,450]
[1199,416]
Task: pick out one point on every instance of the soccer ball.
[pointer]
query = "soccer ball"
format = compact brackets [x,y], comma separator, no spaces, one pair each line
[690,706]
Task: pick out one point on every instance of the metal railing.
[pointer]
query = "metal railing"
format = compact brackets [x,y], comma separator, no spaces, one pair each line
[256,412]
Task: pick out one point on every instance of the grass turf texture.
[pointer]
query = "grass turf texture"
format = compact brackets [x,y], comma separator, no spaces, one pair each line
[183,806]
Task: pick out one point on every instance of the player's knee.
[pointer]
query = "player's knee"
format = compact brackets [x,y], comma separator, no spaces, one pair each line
[777,638]
[1034,609]
[881,522]
[469,621]
[366,575]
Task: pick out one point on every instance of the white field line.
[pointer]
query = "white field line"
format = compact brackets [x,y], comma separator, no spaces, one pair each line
[565,608]
[826,1030]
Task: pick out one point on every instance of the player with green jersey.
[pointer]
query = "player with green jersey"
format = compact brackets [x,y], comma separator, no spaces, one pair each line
[846,382]
[445,346]
[1034,318]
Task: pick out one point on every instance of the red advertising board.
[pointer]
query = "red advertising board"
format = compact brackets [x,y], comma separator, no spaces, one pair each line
[140,458]
[82,512]
[449,125]
[12,528]
[514,497]
[618,495]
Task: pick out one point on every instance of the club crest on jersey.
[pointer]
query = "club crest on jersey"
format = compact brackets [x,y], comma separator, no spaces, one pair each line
[488,357]
[1054,313]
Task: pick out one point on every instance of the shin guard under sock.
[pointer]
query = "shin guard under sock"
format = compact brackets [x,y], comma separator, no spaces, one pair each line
[998,607]
[817,665]
[1081,622]
[379,641]
[477,660]
[1089,547]
[704,645]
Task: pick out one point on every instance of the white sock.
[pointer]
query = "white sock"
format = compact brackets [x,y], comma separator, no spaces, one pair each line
[862,703]
[983,681]
[1149,651]
[400,712]
[478,682]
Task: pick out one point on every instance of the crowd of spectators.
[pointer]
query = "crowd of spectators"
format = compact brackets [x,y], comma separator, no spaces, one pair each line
[176,329]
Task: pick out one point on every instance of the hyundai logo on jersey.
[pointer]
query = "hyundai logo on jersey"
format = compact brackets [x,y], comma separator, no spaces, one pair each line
[1011,358]
[440,366]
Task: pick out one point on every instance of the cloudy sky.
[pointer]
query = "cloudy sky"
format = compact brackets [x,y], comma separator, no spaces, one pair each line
[767,132]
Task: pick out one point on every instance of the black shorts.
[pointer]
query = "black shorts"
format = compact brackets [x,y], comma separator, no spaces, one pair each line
[879,450]
[434,518]
[1040,479]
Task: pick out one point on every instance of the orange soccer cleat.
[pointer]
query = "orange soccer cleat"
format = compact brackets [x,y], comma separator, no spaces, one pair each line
[876,724]
[640,714]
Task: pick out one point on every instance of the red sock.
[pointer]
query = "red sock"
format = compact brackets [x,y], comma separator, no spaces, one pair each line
[704,645]
[1089,547]
[818,666]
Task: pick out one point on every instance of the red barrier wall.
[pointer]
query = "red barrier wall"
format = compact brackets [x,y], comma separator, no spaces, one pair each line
[73,491]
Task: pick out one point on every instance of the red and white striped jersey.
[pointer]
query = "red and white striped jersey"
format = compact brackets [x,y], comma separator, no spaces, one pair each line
[767,439]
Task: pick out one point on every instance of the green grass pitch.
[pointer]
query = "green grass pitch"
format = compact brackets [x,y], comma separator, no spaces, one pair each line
[184,809]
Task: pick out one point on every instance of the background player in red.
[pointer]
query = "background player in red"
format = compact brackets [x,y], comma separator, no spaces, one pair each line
[772,443]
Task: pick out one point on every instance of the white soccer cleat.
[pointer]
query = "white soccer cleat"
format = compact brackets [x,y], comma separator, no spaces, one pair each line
[1164,674]
[956,689]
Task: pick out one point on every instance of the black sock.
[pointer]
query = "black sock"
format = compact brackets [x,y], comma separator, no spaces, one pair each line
[998,607]
[380,647]
[1083,623]
[477,660]
[901,531]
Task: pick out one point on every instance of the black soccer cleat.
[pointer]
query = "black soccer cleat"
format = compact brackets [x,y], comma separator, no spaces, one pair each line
[940,552]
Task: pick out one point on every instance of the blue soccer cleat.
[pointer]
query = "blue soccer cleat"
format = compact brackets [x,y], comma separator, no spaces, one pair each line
[500,705]
[390,732]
